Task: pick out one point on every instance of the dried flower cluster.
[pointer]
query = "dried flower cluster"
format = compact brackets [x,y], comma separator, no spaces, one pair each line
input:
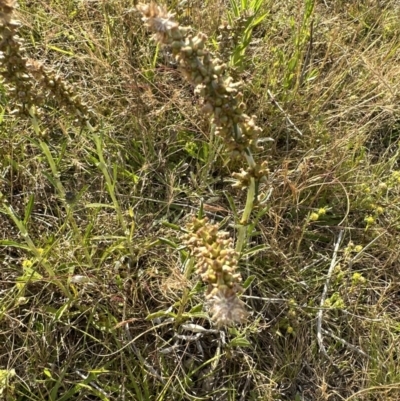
[6,10]
[217,263]
[28,81]
[258,171]
[222,98]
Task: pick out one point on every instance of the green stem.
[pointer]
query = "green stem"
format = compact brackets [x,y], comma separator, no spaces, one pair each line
[34,250]
[189,267]
[242,230]
[61,193]
[251,195]
[110,184]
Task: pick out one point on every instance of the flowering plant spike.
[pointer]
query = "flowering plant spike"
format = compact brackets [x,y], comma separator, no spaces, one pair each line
[221,98]
[216,262]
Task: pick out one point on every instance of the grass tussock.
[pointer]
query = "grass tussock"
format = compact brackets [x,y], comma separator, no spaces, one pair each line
[203,207]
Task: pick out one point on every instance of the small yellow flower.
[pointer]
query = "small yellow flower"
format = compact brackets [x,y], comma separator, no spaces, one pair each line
[27,263]
[358,248]
[358,279]
[369,220]
[314,216]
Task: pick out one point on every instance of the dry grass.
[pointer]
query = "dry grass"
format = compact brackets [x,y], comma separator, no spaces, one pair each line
[101,309]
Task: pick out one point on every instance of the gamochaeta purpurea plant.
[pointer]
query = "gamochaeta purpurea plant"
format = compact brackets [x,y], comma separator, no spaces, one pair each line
[30,86]
[222,99]
[29,82]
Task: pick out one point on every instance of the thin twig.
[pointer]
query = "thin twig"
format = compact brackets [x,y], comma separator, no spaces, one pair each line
[274,101]
[307,58]
[140,357]
[265,299]
[344,342]
[324,294]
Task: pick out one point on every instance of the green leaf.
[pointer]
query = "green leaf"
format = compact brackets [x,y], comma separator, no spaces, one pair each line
[240,342]
[69,394]
[232,204]
[29,208]
[49,156]
[168,242]
[2,111]
[235,9]
[99,205]
[170,225]
[255,249]
[158,314]
[6,242]
[61,311]
[199,315]
[248,282]
[98,371]
[200,214]
[57,49]
[51,179]
[29,275]
[259,20]
[196,309]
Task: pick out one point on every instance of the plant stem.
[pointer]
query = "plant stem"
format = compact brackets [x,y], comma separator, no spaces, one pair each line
[34,250]
[242,230]
[111,190]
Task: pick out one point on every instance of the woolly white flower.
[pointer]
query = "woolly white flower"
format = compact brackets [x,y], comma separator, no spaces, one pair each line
[158,19]
[227,309]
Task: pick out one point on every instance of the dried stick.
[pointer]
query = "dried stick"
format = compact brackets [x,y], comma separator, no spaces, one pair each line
[323,297]
[274,101]
[345,343]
